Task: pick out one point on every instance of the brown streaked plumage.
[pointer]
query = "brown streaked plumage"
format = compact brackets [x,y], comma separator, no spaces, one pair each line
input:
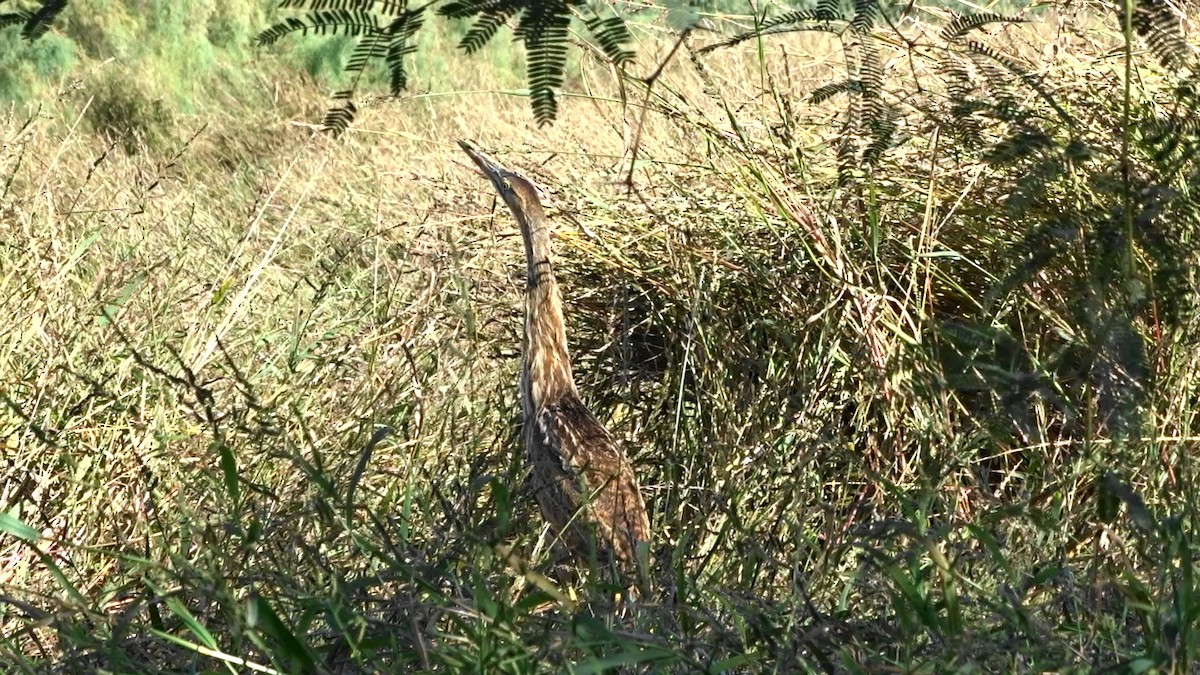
[582,478]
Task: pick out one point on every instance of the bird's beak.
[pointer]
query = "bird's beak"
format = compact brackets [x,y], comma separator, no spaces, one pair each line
[491,168]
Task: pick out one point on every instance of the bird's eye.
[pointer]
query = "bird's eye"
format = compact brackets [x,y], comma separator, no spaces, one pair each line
[507,185]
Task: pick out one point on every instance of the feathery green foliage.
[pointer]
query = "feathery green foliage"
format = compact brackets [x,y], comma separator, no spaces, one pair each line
[384,31]
[542,26]
[870,121]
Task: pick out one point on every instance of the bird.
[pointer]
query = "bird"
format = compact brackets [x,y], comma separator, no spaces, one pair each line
[583,481]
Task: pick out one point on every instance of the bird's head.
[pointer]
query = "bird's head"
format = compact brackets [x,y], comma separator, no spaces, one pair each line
[519,193]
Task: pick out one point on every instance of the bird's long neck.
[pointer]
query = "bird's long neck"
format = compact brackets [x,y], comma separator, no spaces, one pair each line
[547,376]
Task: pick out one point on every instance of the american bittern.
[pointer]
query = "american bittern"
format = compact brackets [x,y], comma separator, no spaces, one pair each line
[584,483]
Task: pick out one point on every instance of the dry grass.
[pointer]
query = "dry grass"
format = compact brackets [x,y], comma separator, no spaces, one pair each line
[206,344]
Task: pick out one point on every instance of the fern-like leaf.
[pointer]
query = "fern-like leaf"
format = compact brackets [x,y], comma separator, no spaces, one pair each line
[385,29]
[465,9]
[966,123]
[543,29]
[847,156]
[958,78]
[1162,29]
[371,46]
[830,10]
[14,18]
[485,27]
[319,5]
[401,33]
[971,22]
[354,23]
[866,13]
[40,20]
[339,117]
[1022,144]
[1016,69]
[612,35]
[828,91]
[802,20]
[388,7]
[1161,226]
[870,70]
[1174,141]
[882,132]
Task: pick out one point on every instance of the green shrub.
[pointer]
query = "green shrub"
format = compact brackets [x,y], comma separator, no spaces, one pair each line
[126,109]
[28,68]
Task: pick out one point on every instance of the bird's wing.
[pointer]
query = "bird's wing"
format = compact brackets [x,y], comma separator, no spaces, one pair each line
[589,453]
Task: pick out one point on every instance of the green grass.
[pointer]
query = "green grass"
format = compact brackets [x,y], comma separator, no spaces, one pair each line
[135,69]
[259,388]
